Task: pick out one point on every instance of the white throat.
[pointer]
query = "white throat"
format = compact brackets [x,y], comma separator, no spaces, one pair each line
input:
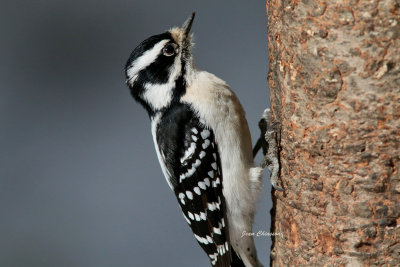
[159,96]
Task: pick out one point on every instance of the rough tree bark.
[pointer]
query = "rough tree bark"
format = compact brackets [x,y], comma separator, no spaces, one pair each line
[335,89]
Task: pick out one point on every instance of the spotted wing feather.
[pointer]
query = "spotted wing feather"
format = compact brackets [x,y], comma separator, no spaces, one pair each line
[191,157]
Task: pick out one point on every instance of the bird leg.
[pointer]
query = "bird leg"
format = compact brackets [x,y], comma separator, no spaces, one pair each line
[268,143]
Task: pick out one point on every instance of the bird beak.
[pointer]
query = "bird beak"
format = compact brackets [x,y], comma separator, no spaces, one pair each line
[188,24]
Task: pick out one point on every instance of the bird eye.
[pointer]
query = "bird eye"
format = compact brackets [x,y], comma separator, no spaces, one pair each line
[169,50]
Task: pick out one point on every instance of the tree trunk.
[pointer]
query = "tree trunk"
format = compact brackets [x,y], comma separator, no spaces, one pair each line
[335,89]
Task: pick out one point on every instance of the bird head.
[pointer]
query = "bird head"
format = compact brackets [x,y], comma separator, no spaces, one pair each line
[159,69]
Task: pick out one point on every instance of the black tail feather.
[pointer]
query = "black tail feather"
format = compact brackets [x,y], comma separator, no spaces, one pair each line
[236,261]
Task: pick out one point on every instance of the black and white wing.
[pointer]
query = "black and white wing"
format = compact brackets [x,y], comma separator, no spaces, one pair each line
[190,156]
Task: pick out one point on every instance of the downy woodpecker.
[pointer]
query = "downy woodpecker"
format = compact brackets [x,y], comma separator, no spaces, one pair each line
[202,142]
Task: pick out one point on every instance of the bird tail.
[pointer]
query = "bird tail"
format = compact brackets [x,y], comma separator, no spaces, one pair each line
[236,261]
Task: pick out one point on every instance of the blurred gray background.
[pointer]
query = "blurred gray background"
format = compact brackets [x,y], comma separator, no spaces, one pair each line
[80,184]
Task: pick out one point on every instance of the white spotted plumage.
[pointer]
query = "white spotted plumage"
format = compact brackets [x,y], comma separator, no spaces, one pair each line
[206,144]
[214,165]
[202,185]
[205,134]
[189,195]
[197,190]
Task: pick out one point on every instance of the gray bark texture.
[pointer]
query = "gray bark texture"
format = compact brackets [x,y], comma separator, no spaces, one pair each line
[335,91]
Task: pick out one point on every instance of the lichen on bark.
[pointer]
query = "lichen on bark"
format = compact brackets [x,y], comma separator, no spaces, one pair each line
[335,89]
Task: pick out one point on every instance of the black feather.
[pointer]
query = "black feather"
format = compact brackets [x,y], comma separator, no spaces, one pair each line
[178,129]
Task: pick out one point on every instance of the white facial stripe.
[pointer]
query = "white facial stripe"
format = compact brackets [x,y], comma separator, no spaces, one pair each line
[158,95]
[145,60]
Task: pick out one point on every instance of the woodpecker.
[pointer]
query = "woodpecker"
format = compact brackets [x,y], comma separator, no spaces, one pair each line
[203,144]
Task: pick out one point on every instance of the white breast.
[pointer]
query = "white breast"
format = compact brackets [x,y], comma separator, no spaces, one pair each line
[219,107]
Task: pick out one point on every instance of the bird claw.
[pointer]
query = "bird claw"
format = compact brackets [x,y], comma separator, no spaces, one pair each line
[277,188]
[270,147]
